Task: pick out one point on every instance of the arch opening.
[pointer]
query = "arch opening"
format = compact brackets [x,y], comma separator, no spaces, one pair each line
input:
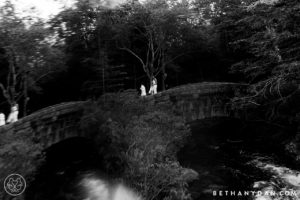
[65,163]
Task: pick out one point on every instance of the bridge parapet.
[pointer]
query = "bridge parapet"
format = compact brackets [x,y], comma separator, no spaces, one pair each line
[201,100]
[194,101]
[51,124]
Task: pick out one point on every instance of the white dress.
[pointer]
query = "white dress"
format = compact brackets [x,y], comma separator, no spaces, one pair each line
[2,119]
[154,86]
[143,90]
[13,115]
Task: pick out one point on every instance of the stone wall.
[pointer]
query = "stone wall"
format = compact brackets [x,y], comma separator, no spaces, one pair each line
[51,124]
[201,100]
[59,122]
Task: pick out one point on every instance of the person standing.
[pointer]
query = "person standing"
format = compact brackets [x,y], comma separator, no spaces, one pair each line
[13,115]
[153,87]
[154,84]
[143,90]
[151,91]
[2,119]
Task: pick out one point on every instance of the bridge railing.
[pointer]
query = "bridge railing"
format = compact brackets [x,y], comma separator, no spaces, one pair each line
[45,113]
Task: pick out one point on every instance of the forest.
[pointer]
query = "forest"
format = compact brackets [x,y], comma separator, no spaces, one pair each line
[91,49]
[94,49]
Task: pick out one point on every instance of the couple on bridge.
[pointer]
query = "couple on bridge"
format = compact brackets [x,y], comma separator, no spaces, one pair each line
[12,117]
[153,88]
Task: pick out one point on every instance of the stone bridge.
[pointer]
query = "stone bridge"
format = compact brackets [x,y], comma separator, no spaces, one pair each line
[194,101]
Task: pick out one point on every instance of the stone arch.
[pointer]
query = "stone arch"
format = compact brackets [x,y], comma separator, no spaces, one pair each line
[50,125]
[201,100]
[193,101]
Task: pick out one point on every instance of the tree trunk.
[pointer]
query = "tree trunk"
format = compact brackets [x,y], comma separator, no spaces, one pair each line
[25,94]
[135,81]
[11,80]
[163,72]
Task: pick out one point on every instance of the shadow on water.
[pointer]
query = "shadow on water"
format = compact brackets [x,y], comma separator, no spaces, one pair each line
[65,163]
[74,170]
[228,155]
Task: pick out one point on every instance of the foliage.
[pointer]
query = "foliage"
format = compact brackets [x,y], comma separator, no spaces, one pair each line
[263,39]
[156,27]
[143,138]
[87,46]
[27,56]
[154,38]
[18,154]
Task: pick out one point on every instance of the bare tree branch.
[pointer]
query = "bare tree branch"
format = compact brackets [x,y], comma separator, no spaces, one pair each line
[134,54]
[140,59]
[5,93]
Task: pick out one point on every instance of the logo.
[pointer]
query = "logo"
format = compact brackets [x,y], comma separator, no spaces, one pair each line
[14,184]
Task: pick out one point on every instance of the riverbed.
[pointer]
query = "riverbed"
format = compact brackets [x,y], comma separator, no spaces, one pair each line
[234,160]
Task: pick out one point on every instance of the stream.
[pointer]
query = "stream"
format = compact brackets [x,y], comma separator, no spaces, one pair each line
[234,160]
[240,161]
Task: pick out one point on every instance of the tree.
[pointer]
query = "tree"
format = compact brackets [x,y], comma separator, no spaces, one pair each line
[156,38]
[139,142]
[264,39]
[156,27]
[85,33]
[27,53]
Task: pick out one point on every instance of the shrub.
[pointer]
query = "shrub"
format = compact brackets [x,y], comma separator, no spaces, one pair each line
[142,139]
[18,154]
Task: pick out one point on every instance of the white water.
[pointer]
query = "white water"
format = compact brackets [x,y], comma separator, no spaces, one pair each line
[98,189]
[284,183]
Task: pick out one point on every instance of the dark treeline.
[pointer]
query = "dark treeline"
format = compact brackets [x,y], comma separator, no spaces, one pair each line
[96,49]
[110,50]
[91,49]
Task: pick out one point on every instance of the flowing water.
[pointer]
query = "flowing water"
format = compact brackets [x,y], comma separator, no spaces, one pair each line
[96,188]
[238,161]
[234,161]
